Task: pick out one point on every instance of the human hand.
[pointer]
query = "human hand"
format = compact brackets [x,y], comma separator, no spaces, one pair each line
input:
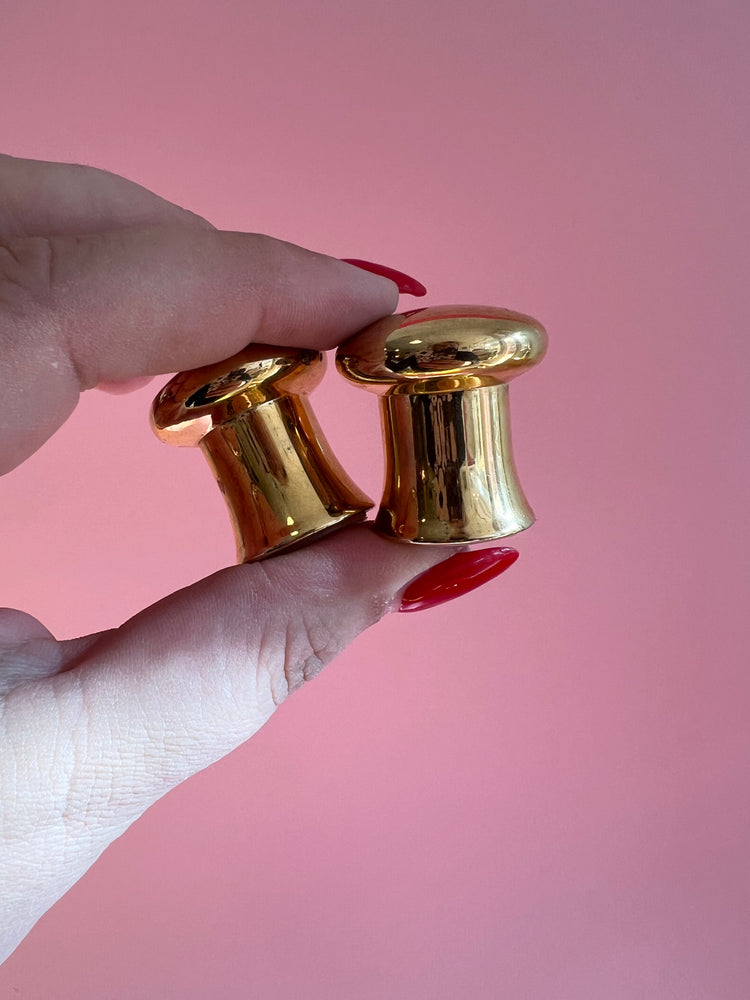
[103,282]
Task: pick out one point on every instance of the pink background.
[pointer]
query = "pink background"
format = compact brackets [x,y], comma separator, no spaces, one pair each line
[540,791]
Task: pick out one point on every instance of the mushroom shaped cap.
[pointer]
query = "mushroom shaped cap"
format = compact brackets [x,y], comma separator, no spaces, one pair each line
[194,402]
[442,349]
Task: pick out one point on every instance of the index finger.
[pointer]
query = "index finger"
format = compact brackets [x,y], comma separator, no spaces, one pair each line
[75,311]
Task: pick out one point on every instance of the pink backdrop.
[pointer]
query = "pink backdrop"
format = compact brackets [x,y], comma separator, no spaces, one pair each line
[540,791]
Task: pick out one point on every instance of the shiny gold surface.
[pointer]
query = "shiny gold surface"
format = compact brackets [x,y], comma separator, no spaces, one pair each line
[442,376]
[250,417]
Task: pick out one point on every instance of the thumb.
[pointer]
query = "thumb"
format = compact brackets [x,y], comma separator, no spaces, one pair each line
[187,680]
[137,710]
[190,678]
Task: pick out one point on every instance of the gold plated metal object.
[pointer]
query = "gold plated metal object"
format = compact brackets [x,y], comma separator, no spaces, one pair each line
[251,419]
[442,375]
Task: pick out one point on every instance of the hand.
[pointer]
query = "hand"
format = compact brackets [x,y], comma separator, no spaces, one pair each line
[100,282]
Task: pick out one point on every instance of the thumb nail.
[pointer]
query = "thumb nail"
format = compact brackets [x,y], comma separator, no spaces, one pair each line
[458,575]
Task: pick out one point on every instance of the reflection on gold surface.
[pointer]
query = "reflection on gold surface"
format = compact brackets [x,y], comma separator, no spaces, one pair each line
[250,417]
[442,375]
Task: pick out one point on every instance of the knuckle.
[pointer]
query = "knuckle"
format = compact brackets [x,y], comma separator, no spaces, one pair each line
[26,271]
[309,645]
[32,336]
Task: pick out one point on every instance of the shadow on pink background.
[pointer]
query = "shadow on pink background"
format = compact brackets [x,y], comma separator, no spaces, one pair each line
[540,791]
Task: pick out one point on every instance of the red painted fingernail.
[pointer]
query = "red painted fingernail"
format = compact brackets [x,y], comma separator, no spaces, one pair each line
[406,284]
[456,576]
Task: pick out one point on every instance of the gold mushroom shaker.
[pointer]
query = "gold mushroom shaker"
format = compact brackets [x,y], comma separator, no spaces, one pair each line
[442,375]
[251,418]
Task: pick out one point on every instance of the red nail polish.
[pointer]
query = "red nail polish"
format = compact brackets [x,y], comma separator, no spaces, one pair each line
[456,576]
[406,284]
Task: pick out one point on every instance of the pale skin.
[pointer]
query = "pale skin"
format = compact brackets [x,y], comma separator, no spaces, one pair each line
[103,282]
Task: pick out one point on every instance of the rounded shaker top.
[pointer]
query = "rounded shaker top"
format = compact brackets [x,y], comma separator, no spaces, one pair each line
[442,349]
[194,402]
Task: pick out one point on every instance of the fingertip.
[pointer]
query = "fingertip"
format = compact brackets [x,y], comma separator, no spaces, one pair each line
[359,566]
[125,387]
[404,282]
[380,288]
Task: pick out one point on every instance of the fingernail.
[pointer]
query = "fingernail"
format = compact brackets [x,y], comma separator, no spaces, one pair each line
[456,576]
[406,284]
